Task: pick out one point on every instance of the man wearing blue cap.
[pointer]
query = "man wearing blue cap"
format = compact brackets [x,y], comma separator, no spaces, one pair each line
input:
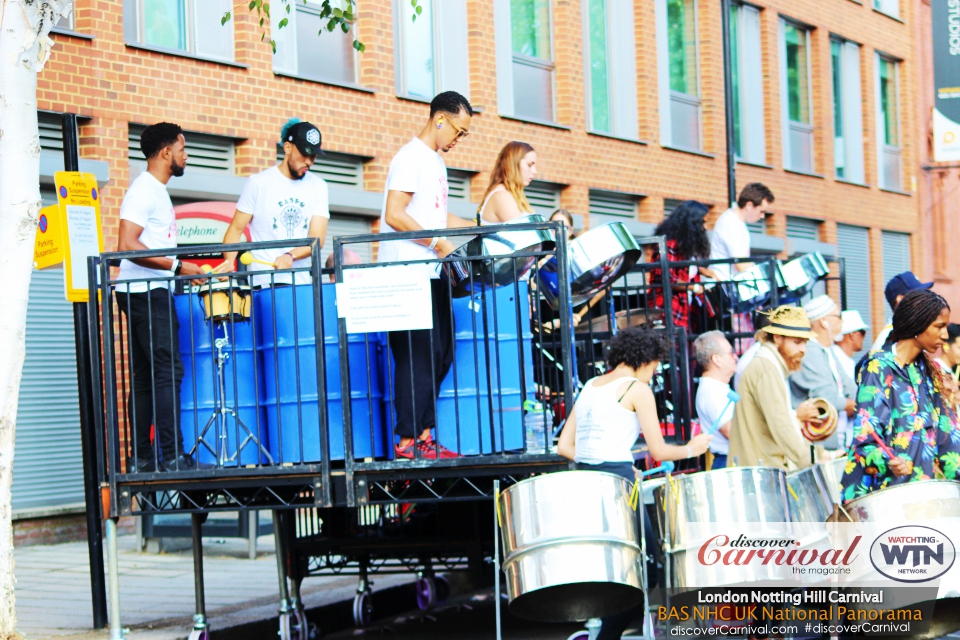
[899,286]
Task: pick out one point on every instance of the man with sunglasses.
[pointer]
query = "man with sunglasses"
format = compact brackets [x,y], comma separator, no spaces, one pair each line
[415,198]
[821,375]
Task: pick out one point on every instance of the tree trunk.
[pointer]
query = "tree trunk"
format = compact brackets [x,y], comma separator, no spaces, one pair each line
[24,48]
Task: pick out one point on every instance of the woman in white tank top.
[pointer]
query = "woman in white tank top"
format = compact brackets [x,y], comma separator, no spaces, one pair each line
[504,200]
[613,410]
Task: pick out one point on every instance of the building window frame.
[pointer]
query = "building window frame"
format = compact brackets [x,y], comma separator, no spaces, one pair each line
[192,34]
[449,55]
[523,61]
[286,58]
[679,109]
[889,154]
[888,7]
[798,137]
[749,134]
[846,104]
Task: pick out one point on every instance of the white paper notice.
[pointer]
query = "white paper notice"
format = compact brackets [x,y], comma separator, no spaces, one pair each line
[385,299]
[84,241]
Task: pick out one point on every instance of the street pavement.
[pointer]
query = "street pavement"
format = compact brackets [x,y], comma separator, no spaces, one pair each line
[156,590]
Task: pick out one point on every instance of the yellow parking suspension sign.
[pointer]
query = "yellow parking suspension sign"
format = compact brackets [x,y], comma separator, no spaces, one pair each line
[82,233]
[48,247]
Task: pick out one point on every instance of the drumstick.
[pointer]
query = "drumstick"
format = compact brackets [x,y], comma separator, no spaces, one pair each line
[247,258]
[666,466]
[883,445]
[732,397]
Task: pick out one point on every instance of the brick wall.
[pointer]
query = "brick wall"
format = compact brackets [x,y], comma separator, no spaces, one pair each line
[115,84]
[59,529]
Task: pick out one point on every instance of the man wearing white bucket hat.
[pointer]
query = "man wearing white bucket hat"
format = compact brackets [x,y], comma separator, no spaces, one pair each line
[820,375]
[850,341]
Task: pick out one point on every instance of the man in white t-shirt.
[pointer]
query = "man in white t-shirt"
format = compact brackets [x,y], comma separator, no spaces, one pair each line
[415,198]
[284,202]
[147,221]
[731,237]
[719,362]
[850,342]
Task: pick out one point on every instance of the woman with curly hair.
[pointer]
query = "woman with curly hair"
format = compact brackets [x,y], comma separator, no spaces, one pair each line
[906,430]
[504,200]
[687,239]
[609,416]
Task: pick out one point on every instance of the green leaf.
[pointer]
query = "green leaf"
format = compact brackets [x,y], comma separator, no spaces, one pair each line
[345,27]
[288,8]
[253,5]
[419,9]
[337,13]
[262,20]
[273,45]
[284,22]
[359,46]
[225,19]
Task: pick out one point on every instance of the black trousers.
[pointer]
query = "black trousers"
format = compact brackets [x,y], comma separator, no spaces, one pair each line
[154,359]
[612,627]
[422,359]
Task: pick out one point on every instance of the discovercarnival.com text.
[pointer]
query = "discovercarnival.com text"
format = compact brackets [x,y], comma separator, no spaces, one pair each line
[791,630]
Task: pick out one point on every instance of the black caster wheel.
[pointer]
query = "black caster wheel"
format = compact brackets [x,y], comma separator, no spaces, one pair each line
[443,589]
[362,609]
[426,593]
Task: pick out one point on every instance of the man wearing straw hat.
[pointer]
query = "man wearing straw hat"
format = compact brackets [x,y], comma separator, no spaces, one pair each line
[765,426]
[820,375]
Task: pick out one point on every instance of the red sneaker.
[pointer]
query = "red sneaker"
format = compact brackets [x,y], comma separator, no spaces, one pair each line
[405,452]
[430,449]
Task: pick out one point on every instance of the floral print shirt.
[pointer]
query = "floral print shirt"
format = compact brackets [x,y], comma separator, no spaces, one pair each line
[905,408]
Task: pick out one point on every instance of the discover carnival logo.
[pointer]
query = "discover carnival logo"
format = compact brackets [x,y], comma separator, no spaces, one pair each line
[912,554]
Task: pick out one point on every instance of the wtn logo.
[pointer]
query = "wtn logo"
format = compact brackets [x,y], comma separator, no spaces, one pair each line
[912,554]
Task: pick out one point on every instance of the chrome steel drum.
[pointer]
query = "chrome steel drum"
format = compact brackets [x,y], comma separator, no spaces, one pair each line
[733,495]
[934,503]
[503,243]
[596,259]
[752,286]
[571,549]
[833,474]
[801,274]
[810,498]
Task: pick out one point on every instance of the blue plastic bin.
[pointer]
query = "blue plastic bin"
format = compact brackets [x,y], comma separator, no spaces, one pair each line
[289,423]
[464,408]
[199,390]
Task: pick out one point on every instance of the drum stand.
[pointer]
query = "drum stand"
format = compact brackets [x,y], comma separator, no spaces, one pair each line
[221,411]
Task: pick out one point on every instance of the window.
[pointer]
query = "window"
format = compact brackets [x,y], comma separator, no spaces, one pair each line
[339,169]
[679,76]
[888,123]
[432,52]
[206,153]
[803,228]
[610,203]
[896,258]
[458,184]
[795,97]
[889,7]
[853,245]
[610,79]
[66,22]
[524,59]
[747,71]
[307,50]
[847,114]
[186,26]
[544,197]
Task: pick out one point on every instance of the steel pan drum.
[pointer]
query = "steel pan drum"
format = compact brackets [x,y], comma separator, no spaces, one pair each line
[832,474]
[733,495]
[504,243]
[932,503]
[571,547]
[596,259]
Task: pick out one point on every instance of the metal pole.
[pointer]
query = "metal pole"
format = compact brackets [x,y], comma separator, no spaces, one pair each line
[196,535]
[116,630]
[88,436]
[728,104]
[496,552]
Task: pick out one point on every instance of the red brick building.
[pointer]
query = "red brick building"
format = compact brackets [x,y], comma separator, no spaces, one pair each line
[622,99]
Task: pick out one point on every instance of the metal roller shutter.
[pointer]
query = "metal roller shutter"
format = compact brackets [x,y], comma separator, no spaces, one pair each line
[853,244]
[896,259]
[343,225]
[48,464]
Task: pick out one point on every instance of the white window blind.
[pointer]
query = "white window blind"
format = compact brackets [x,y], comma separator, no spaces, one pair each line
[795,98]
[748,83]
[610,67]
[678,73]
[205,152]
[889,7]
[853,245]
[803,228]
[432,54]
[345,225]
[306,49]
[50,127]
[847,111]
[336,168]
[187,26]
[896,258]
[458,184]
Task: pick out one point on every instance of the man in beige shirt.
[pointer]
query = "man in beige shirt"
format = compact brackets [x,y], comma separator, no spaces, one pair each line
[765,428]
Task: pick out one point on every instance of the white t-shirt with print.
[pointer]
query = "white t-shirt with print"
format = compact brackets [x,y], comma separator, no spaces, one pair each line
[712,402]
[730,239]
[419,170]
[147,204]
[282,210]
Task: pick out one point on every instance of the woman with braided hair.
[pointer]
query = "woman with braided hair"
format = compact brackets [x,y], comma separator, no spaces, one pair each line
[905,430]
